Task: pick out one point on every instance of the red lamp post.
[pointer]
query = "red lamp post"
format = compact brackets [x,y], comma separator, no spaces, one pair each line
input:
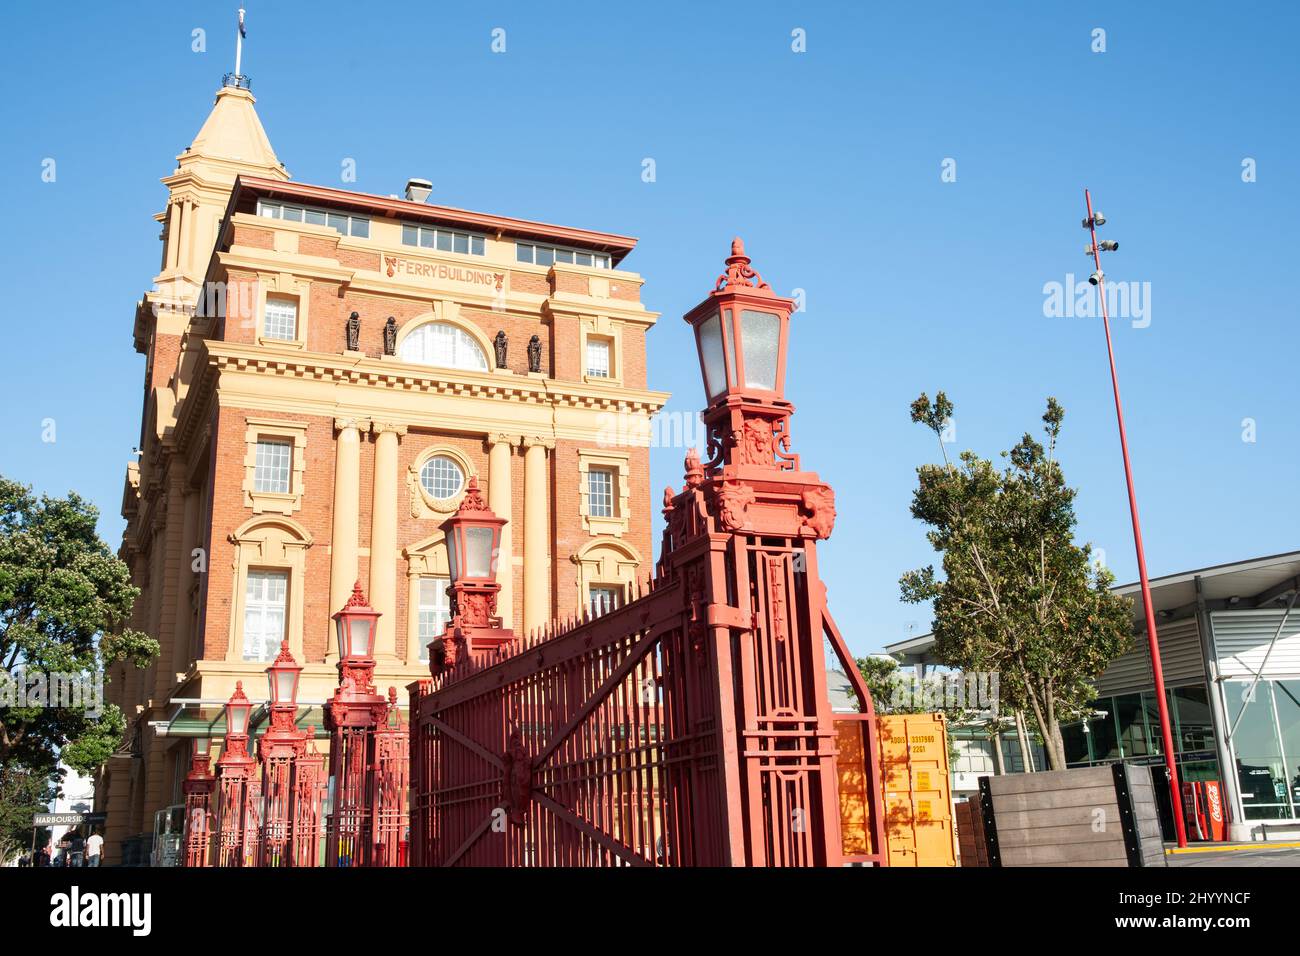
[1098,279]
[351,716]
[280,748]
[473,536]
[198,788]
[742,332]
[236,796]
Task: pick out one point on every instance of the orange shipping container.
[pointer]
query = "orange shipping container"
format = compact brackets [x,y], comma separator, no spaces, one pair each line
[918,799]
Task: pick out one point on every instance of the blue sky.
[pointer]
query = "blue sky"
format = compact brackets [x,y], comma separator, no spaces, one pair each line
[828,162]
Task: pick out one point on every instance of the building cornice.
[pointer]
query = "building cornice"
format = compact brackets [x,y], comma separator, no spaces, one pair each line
[229,357]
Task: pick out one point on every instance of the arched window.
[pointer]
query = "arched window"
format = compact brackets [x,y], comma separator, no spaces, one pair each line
[445,345]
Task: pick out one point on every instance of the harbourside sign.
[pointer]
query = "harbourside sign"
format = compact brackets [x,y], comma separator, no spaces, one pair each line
[442,272]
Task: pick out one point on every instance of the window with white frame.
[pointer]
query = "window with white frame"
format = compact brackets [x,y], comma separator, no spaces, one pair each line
[280,318]
[600,492]
[264,614]
[545,255]
[342,222]
[445,345]
[435,611]
[441,477]
[603,599]
[597,357]
[442,239]
[271,468]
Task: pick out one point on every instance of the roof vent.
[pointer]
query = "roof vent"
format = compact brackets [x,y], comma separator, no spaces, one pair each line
[417,190]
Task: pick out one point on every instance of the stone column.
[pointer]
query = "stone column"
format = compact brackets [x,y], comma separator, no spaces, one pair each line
[383,538]
[537,563]
[182,636]
[347,518]
[500,499]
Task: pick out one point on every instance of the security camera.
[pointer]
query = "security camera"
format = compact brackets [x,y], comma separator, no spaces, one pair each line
[1109,245]
[1095,278]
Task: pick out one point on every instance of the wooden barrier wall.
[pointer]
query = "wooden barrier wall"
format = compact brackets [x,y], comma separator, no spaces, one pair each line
[1092,816]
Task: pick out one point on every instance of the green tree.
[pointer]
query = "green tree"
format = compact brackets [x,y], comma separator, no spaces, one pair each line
[1017,595]
[22,794]
[65,600]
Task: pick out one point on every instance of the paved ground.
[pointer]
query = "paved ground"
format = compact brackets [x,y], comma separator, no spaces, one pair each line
[1241,854]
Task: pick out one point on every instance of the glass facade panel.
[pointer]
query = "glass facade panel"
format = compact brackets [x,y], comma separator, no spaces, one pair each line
[1286,697]
[1195,726]
[1260,770]
[1130,720]
[1105,744]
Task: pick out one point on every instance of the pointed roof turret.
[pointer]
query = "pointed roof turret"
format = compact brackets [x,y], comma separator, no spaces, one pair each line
[232,140]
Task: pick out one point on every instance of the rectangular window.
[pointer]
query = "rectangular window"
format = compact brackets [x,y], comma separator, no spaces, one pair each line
[342,223]
[545,255]
[444,240]
[600,493]
[280,319]
[603,599]
[435,611]
[271,467]
[598,357]
[264,618]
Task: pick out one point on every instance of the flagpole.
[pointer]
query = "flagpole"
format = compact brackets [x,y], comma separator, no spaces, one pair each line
[239,42]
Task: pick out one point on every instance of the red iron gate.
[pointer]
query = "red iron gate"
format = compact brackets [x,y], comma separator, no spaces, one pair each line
[692,726]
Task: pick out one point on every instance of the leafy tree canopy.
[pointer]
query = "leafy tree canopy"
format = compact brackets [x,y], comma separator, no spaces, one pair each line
[65,600]
[1017,596]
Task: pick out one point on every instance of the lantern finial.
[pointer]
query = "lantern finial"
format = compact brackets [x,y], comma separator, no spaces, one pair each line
[739,272]
[358,599]
[473,501]
[285,657]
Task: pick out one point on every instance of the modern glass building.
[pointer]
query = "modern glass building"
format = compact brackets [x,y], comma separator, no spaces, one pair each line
[1230,648]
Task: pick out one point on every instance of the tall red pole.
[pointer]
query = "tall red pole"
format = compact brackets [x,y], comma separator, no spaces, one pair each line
[1166,730]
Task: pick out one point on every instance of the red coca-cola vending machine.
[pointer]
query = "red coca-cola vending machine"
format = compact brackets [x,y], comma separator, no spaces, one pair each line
[1204,811]
[1214,808]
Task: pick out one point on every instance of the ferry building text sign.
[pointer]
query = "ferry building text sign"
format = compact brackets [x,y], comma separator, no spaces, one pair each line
[441,272]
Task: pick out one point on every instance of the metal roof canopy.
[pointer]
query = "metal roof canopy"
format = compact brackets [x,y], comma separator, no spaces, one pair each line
[1254,583]
[207,718]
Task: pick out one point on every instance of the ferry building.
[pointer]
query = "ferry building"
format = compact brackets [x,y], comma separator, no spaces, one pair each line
[324,372]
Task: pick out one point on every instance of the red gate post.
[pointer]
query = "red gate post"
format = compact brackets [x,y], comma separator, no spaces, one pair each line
[198,787]
[280,748]
[235,780]
[390,786]
[780,798]
[351,717]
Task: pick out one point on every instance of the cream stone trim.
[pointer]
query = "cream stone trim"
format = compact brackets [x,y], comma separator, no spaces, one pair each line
[620,464]
[271,543]
[604,562]
[603,328]
[422,380]
[283,285]
[272,501]
[423,504]
[425,559]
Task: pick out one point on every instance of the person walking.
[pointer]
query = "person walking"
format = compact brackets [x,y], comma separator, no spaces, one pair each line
[94,846]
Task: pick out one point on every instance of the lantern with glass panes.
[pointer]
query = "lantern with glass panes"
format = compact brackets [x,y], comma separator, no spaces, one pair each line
[282,683]
[357,626]
[235,745]
[473,536]
[200,761]
[742,331]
